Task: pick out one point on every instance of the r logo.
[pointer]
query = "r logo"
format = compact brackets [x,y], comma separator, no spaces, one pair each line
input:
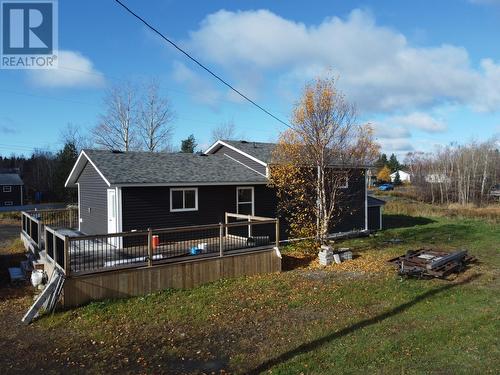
[27,28]
[29,34]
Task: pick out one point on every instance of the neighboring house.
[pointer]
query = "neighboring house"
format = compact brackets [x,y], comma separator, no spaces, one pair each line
[403,176]
[120,192]
[11,189]
[437,178]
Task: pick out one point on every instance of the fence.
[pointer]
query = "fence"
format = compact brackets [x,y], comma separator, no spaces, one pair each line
[95,253]
[34,222]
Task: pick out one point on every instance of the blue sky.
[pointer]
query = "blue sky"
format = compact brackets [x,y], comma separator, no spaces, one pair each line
[425,73]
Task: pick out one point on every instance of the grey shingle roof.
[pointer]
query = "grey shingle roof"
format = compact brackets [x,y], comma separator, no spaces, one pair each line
[260,150]
[10,179]
[146,167]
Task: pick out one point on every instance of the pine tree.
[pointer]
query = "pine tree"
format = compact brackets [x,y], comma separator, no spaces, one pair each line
[397,179]
[65,159]
[393,163]
[189,144]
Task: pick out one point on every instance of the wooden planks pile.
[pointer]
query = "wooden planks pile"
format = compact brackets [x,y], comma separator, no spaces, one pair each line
[432,263]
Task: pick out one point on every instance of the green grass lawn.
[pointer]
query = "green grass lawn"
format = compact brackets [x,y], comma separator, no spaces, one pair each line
[358,318]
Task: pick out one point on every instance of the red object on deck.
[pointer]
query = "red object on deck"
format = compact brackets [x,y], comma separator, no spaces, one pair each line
[156,241]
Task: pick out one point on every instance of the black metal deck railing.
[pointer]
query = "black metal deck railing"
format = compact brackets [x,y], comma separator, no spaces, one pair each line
[33,222]
[103,252]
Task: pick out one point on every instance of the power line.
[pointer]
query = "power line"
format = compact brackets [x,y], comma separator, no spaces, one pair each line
[152,28]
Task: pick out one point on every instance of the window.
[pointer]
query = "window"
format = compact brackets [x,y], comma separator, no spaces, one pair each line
[245,200]
[7,189]
[183,199]
[8,203]
[344,181]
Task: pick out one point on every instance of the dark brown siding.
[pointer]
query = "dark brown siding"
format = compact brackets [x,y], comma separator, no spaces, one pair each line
[14,196]
[242,159]
[374,218]
[93,201]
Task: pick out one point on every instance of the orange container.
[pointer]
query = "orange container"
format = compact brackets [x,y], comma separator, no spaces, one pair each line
[156,241]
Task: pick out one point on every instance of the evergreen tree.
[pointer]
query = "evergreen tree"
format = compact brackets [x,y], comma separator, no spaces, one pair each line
[397,179]
[65,160]
[189,144]
[393,163]
[381,162]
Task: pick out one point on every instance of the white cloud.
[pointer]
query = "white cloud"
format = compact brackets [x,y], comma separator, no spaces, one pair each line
[421,121]
[388,131]
[201,88]
[378,67]
[396,145]
[74,70]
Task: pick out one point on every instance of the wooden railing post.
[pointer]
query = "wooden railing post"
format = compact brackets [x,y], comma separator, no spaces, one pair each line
[277,233]
[150,247]
[66,256]
[221,239]
[225,220]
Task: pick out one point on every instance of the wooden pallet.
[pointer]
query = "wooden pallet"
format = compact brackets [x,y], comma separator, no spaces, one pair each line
[431,263]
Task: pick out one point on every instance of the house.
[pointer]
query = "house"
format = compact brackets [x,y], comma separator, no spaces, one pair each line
[119,192]
[11,189]
[403,176]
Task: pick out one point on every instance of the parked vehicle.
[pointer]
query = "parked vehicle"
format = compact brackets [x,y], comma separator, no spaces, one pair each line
[495,191]
[386,187]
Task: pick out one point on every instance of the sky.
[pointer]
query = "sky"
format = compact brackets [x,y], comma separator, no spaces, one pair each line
[423,73]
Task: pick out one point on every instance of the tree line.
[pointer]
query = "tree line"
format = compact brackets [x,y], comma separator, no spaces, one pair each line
[456,173]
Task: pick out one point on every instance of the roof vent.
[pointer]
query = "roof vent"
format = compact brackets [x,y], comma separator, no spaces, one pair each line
[243,141]
[116,151]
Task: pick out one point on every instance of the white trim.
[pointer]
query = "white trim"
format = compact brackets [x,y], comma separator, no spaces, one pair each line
[119,214]
[235,149]
[243,164]
[189,184]
[346,186]
[253,199]
[82,153]
[238,188]
[183,199]
[4,187]
[366,200]
[79,213]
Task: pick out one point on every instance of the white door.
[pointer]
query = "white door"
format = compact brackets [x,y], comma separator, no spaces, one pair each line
[111,211]
[112,220]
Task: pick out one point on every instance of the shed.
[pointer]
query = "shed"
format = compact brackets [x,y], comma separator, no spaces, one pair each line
[375,213]
[11,189]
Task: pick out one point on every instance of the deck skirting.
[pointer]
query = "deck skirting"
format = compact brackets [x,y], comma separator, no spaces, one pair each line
[79,290]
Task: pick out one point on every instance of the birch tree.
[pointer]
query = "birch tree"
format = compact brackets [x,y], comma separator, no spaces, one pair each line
[315,158]
[224,131]
[117,128]
[155,120]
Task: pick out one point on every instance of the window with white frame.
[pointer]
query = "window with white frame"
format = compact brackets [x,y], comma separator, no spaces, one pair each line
[183,199]
[343,182]
[7,189]
[8,203]
[245,200]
